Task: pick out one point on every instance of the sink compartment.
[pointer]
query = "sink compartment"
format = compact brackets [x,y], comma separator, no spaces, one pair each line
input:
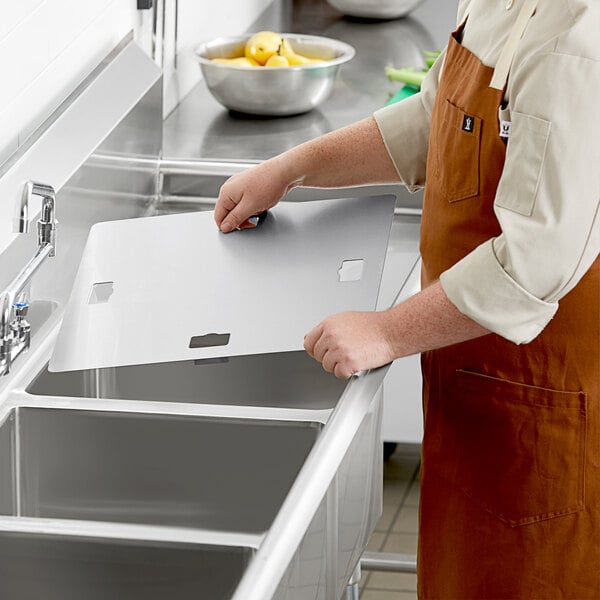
[7,457]
[155,469]
[284,380]
[34,565]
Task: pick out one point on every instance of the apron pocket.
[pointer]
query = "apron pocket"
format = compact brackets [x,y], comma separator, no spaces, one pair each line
[456,140]
[520,448]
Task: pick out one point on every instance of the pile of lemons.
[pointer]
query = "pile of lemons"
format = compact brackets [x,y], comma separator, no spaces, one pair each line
[268,49]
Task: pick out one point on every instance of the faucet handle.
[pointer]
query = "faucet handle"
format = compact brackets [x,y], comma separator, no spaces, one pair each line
[21,309]
[21,329]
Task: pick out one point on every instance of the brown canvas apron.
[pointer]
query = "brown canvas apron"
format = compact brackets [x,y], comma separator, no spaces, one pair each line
[510,473]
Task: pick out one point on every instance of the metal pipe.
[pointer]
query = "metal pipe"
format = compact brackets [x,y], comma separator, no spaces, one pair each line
[24,277]
[5,338]
[170,166]
[351,592]
[389,561]
[154,30]
[176,36]
[21,223]
[174,166]
[163,33]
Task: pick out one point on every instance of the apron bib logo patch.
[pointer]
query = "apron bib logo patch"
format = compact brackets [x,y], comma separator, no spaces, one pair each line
[468,123]
[505,129]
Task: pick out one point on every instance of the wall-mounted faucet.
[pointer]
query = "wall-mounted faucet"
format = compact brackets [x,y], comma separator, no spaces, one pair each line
[15,331]
[47,222]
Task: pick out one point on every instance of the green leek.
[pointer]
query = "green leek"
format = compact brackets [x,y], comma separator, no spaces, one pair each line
[410,75]
[406,75]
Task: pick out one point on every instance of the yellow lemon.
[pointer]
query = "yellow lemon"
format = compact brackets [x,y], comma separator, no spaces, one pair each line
[240,61]
[277,61]
[262,45]
[294,58]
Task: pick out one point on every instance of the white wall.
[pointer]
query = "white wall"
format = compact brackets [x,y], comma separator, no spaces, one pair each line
[46,48]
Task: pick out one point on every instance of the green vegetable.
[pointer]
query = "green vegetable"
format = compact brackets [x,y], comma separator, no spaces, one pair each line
[406,75]
[410,75]
[431,57]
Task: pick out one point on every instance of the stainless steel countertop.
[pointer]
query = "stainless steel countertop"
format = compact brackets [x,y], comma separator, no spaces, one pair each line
[200,128]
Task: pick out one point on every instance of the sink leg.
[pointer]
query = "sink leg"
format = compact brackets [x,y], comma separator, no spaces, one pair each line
[351,592]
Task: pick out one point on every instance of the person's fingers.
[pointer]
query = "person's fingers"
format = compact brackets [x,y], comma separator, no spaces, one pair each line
[311,338]
[329,362]
[321,346]
[225,204]
[342,371]
[236,217]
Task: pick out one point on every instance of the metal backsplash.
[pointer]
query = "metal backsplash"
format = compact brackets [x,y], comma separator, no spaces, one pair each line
[100,151]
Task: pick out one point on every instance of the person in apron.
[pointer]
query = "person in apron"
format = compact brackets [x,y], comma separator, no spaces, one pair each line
[510,472]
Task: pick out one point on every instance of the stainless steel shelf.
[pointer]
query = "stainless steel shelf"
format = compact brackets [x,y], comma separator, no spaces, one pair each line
[200,128]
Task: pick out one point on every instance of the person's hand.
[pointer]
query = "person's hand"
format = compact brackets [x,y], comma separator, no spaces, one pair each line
[349,342]
[250,193]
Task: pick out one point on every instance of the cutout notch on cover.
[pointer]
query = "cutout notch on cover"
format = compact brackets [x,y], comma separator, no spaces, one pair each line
[101,292]
[351,270]
[209,340]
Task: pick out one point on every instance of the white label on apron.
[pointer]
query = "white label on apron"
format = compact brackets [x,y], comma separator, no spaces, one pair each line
[505,129]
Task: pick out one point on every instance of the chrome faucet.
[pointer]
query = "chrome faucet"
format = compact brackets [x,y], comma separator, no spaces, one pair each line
[15,331]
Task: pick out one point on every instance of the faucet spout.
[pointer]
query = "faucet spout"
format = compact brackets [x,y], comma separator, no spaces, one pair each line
[47,222]
[21,221]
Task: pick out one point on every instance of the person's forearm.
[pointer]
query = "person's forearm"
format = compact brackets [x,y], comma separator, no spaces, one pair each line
[349,342]
[352,155]
[426,321]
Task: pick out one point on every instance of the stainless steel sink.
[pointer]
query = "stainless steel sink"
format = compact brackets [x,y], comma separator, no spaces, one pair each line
[72,568]
[285,380]
[127,483]
[187,471]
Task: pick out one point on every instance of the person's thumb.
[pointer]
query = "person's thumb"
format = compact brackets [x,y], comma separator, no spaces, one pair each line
[233,220]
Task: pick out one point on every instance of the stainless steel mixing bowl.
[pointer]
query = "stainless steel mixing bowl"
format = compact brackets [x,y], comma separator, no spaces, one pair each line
[273,91]
[375,9]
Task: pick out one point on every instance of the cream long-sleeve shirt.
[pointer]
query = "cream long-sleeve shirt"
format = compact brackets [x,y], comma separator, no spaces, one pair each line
[548,198]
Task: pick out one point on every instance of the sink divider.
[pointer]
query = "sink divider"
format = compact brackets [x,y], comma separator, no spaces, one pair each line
[23,399]
[128,531]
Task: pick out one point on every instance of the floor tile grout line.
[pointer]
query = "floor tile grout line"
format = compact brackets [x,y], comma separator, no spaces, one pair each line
[401,505]
[364,586]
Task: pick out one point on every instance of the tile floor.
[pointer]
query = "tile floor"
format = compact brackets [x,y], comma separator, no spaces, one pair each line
[397,528]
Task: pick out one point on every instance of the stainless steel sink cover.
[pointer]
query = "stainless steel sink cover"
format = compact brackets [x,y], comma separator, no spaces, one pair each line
[173,287]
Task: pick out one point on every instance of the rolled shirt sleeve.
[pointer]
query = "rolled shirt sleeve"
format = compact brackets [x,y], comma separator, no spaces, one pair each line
[404,127]
[547,202]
